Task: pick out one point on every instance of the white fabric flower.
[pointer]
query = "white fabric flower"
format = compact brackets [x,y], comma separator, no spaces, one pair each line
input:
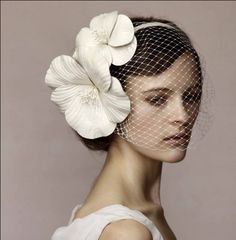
[89,107]
[108,40]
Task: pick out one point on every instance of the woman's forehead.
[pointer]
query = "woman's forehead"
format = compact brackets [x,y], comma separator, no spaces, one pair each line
[180,76]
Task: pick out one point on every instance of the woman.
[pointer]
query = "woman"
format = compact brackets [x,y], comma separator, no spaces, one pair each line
[133,88]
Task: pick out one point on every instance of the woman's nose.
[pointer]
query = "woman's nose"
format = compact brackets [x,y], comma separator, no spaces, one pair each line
[178,112]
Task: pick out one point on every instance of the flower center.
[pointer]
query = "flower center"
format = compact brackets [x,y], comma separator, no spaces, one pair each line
[100,36]
[89,95]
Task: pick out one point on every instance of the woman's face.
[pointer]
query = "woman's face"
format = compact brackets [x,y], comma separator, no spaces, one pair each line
[163,106]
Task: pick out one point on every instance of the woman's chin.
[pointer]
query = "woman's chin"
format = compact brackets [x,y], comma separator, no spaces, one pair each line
[170,155]
[174,155]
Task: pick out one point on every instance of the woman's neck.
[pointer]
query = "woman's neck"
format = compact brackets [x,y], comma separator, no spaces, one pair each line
[127,178]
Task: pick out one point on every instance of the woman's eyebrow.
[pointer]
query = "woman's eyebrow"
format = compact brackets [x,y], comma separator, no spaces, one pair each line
[158,89]
[168,90]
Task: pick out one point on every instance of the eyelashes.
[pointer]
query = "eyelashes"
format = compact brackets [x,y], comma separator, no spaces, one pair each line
[157,100]
[192,98]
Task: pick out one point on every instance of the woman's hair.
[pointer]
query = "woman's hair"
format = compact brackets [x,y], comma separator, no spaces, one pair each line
[182,44]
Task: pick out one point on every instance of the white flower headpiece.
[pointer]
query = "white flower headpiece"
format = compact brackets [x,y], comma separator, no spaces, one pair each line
[92,100]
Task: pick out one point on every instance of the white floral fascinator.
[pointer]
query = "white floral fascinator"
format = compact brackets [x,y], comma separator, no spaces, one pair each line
[92,100]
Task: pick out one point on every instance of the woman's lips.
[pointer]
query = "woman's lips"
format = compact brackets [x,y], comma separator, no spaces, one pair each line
[178,139]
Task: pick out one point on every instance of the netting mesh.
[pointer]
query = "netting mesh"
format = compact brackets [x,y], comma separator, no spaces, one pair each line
[165,82]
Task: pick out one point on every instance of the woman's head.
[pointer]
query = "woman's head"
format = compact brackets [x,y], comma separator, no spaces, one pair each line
[163,81]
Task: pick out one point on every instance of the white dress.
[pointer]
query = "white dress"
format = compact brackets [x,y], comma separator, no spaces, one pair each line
[91,226]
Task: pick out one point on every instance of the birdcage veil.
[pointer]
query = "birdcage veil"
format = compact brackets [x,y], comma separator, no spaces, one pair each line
[160,46]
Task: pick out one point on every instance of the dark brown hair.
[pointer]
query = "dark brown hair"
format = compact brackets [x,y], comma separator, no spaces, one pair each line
[159,65]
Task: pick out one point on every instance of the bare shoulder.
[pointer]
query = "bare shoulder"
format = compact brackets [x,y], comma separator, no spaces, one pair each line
[126,229]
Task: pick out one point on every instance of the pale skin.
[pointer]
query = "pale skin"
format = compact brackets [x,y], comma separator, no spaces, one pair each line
[130,171]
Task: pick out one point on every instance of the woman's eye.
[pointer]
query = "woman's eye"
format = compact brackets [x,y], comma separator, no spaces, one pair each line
[158,100]
[192,98]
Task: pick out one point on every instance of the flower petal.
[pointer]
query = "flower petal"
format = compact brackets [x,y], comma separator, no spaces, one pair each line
[121,55]
[123,32]
[87,38]
[63,95]
[89,119]
[65,70]
[116,103]
[96,65]
[103,24]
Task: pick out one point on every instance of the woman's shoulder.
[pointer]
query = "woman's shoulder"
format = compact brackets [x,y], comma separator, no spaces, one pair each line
[126,229]
[102,223]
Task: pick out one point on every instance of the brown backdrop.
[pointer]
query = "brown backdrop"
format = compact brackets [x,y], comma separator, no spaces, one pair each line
[46,171]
